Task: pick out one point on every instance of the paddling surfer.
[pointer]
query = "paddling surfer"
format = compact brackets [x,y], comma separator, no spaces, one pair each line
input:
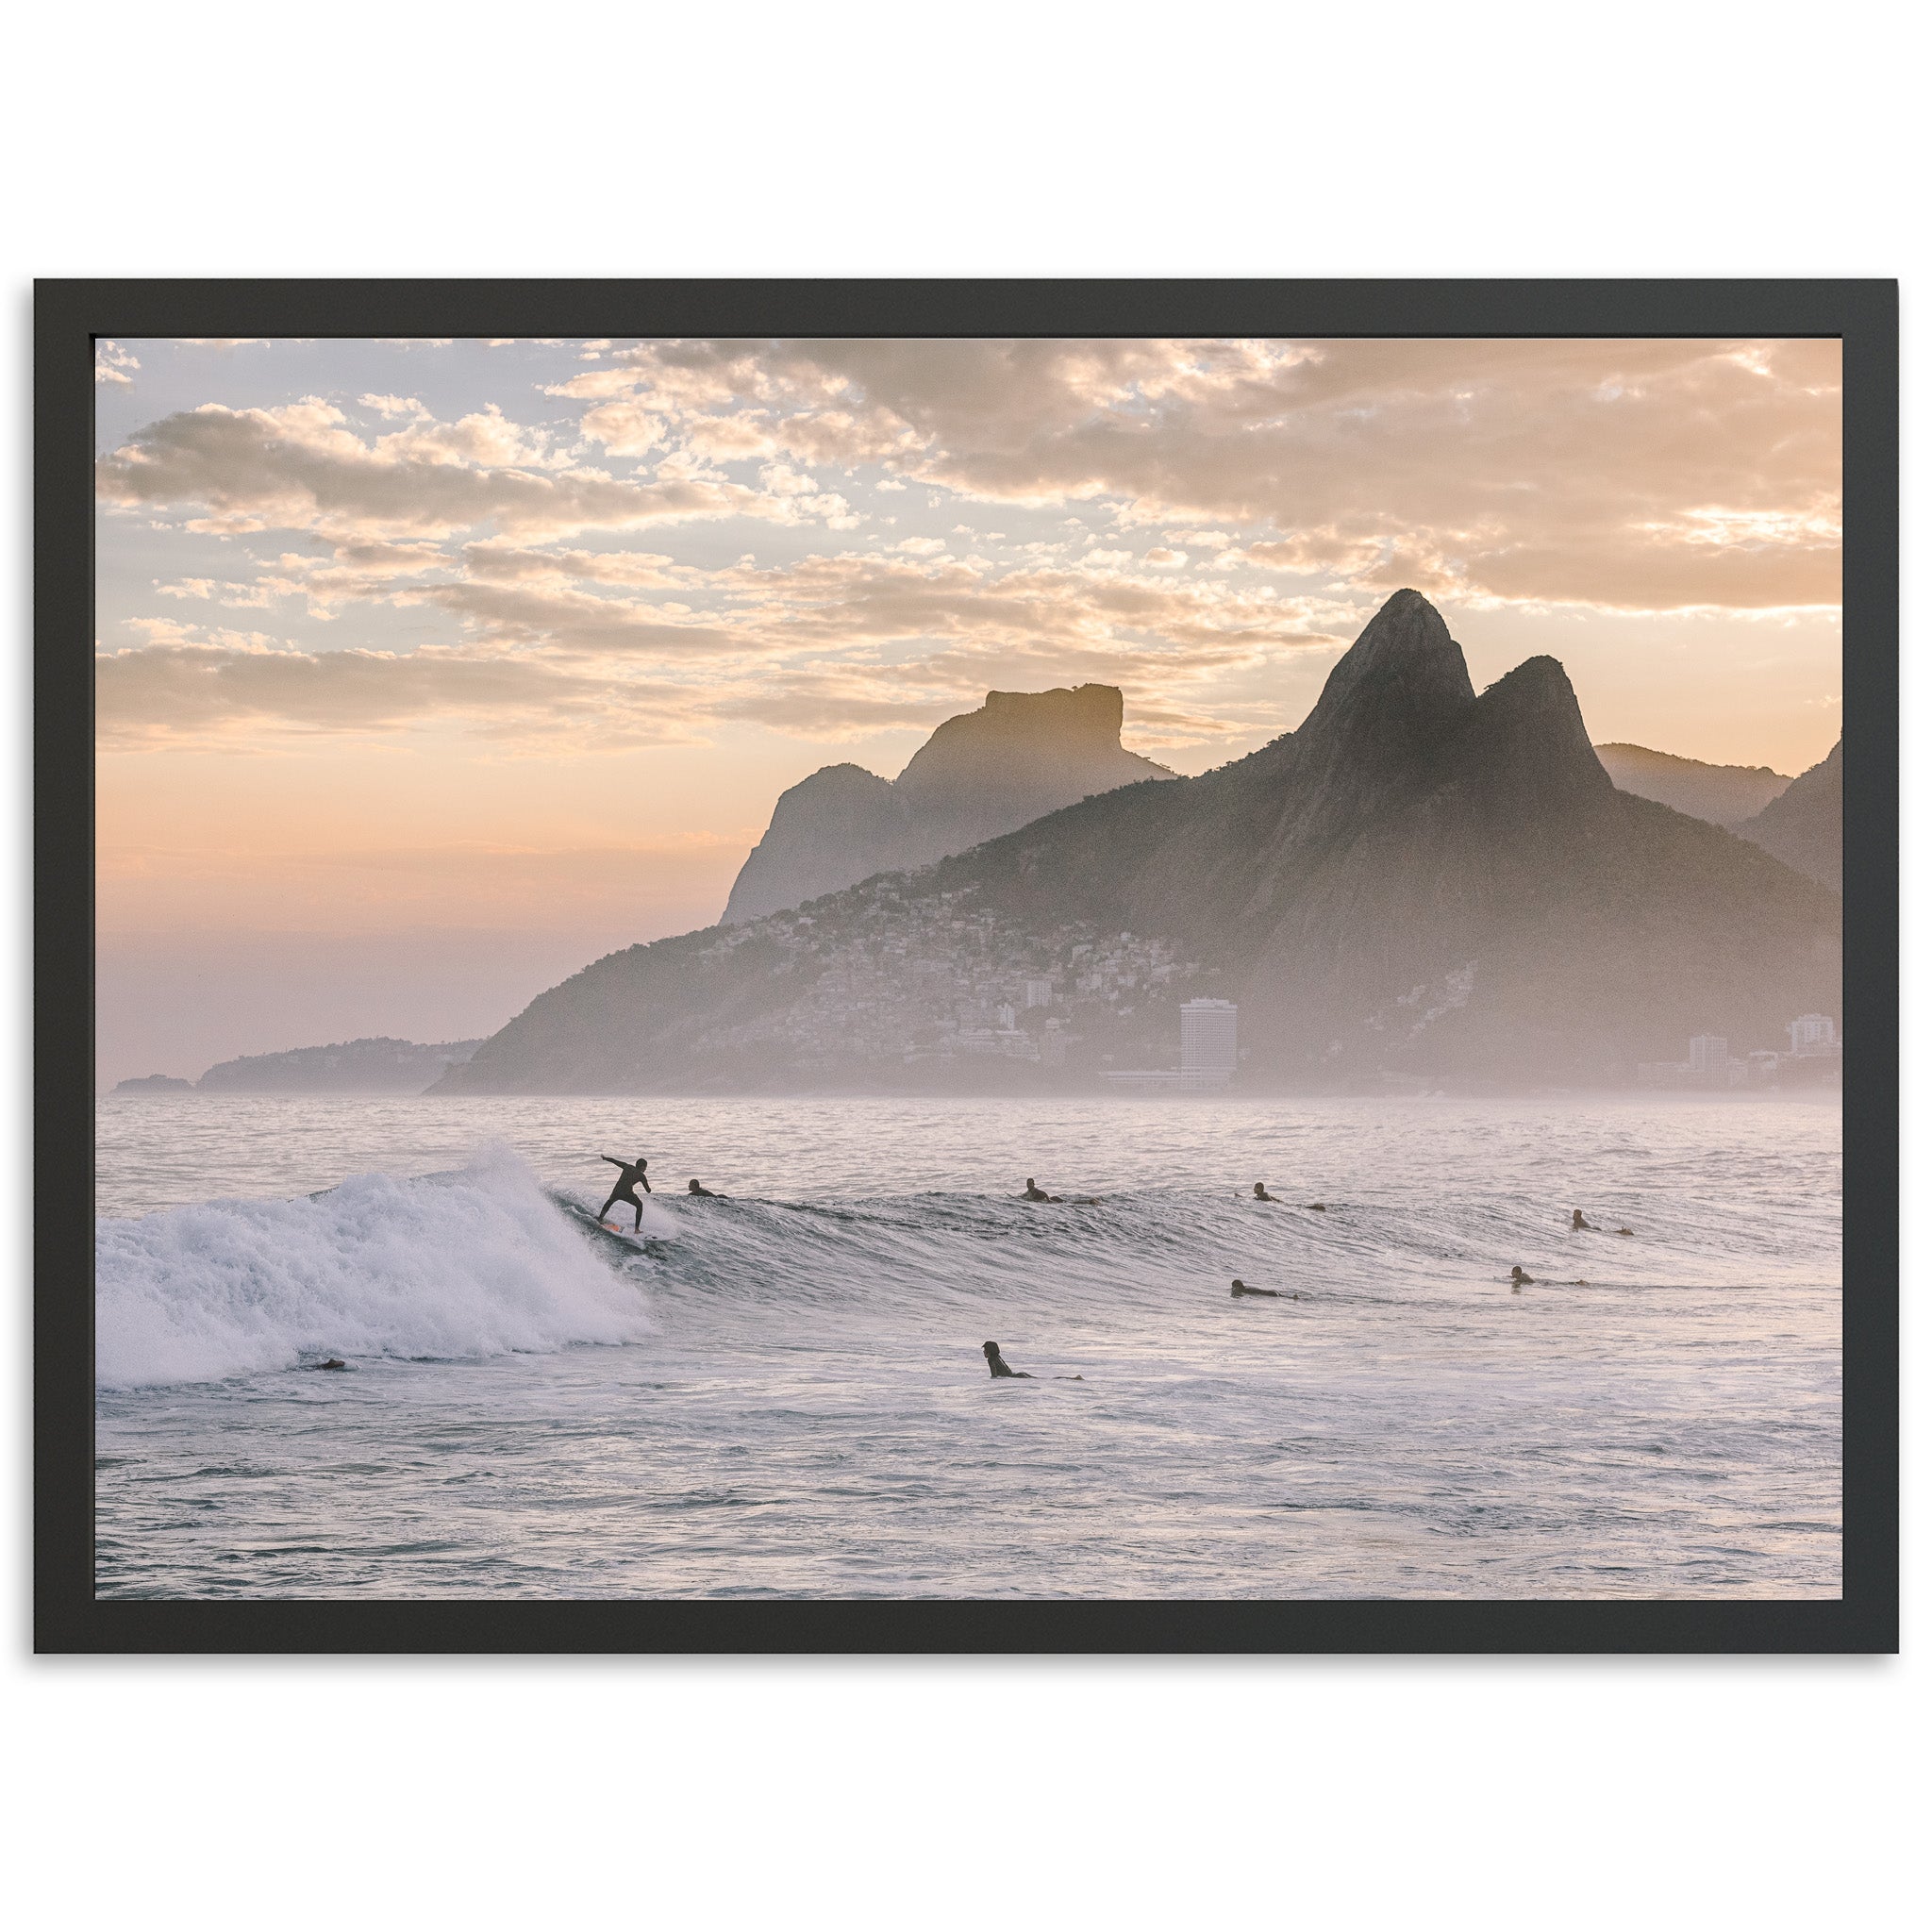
[997,1363]
[1519,1281]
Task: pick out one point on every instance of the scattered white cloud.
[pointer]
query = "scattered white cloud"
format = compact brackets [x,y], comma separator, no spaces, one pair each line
[1309,478]
[112,362]
[394,406]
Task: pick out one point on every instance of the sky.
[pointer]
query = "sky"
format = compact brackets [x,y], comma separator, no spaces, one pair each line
[430,671]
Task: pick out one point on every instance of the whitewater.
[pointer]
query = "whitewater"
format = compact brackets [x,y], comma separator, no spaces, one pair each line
[781,1394]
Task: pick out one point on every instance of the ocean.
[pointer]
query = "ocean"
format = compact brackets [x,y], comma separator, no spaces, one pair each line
[782,1394]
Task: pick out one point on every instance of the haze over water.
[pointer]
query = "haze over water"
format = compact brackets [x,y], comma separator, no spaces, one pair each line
[782,1394]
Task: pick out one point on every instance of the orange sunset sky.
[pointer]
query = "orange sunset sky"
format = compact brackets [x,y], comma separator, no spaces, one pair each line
[430,669]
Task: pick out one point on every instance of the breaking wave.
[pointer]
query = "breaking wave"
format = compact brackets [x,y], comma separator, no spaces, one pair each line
[475,1264]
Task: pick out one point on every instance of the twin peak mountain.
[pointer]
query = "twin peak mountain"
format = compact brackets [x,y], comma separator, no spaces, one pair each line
[1419,881]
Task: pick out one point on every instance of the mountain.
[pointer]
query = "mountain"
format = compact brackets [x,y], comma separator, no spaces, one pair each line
[1020,756]
[1421,881]
[1724,794]
[1805,826]
[154,1083]
[352,1066]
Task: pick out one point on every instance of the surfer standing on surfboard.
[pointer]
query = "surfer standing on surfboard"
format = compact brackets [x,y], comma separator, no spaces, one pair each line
[630,1174]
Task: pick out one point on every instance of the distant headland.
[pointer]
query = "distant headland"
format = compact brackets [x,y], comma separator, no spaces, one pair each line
[379,1065]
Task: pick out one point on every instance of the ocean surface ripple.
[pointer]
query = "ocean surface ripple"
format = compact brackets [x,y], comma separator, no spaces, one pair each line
[780,1394]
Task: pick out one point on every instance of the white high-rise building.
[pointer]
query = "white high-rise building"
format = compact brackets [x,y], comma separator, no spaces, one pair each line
[1038,994]
[1812,1033]
[1711,1060]
[1207,1037]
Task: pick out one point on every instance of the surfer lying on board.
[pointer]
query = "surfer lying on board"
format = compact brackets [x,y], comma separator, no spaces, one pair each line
[1579,1225]
[630,1174]
[704,1193]
[1518,1280]
[1261,1193]
[997,1363]
[1034,1194]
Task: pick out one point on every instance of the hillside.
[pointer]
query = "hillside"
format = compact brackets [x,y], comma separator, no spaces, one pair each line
[1020,756]
[1724,794]
[1419,881]
[352,1066]
[1806,826]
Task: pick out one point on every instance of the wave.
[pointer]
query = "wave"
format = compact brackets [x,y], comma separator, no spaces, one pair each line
[470,1264]
[1146,1254]
[486,1262]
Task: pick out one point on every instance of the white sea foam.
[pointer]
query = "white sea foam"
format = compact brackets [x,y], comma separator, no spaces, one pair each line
[475,1264]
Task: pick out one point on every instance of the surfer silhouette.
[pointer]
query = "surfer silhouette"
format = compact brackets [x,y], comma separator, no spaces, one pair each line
[704,1193]
[997,1363]
[1579,1225]
[1261,1193]
[1240,1287]
[1519,1280]
[1034,1194]
[630,1176]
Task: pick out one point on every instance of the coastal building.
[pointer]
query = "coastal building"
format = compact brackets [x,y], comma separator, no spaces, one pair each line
[1815,1058]
[1663,1072]
[1812,1034]
[1209,1054]
[1038,994]
[1710,1054]
[1207,1037]
[1006,1041]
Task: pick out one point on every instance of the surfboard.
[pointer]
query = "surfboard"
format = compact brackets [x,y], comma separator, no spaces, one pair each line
[590,1222]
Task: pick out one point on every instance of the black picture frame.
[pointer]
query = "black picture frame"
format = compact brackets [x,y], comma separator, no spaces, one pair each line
[70,315]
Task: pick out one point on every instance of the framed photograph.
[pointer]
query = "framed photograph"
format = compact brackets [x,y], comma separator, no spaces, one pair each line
[936,967]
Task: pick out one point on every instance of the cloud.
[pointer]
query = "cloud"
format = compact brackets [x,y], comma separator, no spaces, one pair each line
[507,563]
[194,689]
[1199,513]
[297,467]
[1509,461]
[394,406]
[576,621]
[112,362]
[626,429]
